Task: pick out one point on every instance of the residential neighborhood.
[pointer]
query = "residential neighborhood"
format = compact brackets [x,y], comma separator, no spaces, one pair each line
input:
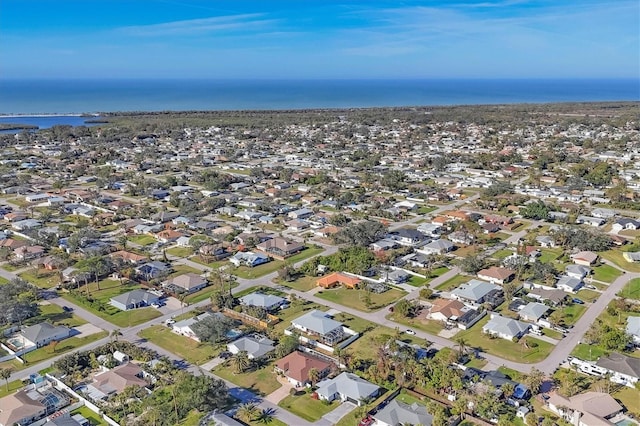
[417,266]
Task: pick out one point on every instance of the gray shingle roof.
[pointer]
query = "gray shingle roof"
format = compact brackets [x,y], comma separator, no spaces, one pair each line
[317,321]
[349,385]
[399,413]
[474,290]
[39,332]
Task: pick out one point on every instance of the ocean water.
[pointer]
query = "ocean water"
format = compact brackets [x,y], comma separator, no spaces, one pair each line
[94,96]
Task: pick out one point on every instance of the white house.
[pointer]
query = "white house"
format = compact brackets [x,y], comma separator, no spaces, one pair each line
[347,387]
[505,328]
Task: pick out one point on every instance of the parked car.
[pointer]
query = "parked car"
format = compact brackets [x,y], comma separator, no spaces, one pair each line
[409,331]
[578,301]
[225,355]
[67,309]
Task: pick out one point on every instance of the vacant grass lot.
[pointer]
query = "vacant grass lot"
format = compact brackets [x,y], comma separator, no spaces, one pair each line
[41,277]
[214,265]
[183,269]
[274,265]
[606,273]
[143,240]
[63,346]
[102,308]
[587,295]
[503,348]
[549,254]
[301,284]
[501,254]
[180,251]
[306,407]
[632,289]
[588,352]
[194,352]
[54,314]
[261,381]
[453,282]
[572,313]
[355,298]
[428,326]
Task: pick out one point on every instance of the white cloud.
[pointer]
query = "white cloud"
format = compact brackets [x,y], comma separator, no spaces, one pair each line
[216,24]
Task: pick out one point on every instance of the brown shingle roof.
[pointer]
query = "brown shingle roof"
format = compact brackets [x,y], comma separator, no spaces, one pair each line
[297,365]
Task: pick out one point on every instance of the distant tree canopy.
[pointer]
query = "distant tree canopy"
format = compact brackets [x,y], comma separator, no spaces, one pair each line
[213,329]
[394,180]
[537,210]
[17,301]
[498,188]
[351,259]
[360,233]
[581,239]
[597,174]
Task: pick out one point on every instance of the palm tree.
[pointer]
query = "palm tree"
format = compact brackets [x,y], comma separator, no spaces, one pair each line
[314,376]
[266,415]
[115,334]
[5,373]
[240,362]
[247,412]
[461,343]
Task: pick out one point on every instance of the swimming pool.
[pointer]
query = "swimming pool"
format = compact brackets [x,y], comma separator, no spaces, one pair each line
[16,342]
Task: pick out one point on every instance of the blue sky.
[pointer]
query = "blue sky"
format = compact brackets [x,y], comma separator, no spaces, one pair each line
[319,39]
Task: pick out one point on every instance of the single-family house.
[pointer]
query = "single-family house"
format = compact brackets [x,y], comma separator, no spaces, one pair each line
[577,271]
[437,247]
[338,278]
[347,387]
[505,328]
[299,214]
[115,381]
[320,326]
[430,230]
[586,258]
[533,311]
[624,370]
[21,408]
[153,269]
[188,282]
[585,409]
[134,299]
[447,310]
[591,221]
[497,275]
[476,292]
[28,252]
[569,284]
[633,329]
[168,236]
[221,419]
[625,223]
[631,256]
[397,413]
[127,256]
[42,334]
[384,245]
[297,225]
[408,237]
[185,326]
[545,241]
[269,302]
[397,276]
[554,296]
[280,247]
[256,346]
[297,365]
[249,259]
[603,213]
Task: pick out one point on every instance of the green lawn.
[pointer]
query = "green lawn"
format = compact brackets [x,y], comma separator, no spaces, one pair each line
[365,347]
[272,422]
[214,265]
[41,277]
[261,381]
[267,268]
[192,351]
[180,251]
[632,289]
[552,333]
[205,293]
[453,282]
[93,417]
[435,273]
[428,326]
[111,313]
[355,298]
[478,363]
[3,280]
[54,314]
[143,240]
[306,407]
[503,348]
[615,256]
[587,295]
[183,269]
[630,398]
[550,254]
[572,313]
[588,352]
[63,346]
[11,387]
[403,396]
[606,273]
[501,254]
[417,281]
[355,323]
[301,284]
[426,209]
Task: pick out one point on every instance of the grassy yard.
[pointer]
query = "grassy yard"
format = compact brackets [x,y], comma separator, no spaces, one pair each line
[453,282]
[306,407]
[261,381]
[41,277]
[301,284]
[180,251]
[426,209]
[205,293]
[549,254]
[143,240]
[9,388]
[92,416]
[615,256]
[552,333]
[501,254]
[572,313]
[355,298]
[63,346]
[606,273]
[588,295]
[632,289]
[588,352]
[478,363]
[630,398]
[183,269]
[428,326]
[503,348]
[267,268]
[192,351]
[3,280]
[435,273]
[214,265]
[365,347]
[294,311]
[54,314]
[101,307]
[417,281]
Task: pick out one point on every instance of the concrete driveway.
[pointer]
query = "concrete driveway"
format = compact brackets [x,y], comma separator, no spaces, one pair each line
[334,416]
[86,329]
